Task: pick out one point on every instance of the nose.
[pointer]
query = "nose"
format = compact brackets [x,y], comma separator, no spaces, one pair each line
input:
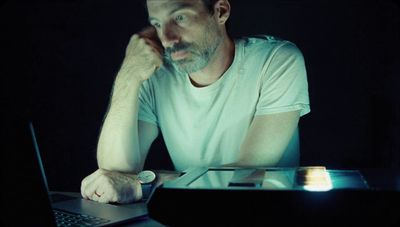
[169,35]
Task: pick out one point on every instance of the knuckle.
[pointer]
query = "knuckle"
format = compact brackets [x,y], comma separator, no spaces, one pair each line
[101,171]
[114,197]
[83,183]
[134,36]
[109,190]
[85,194]
[108,181]
[103,179]
[141,41]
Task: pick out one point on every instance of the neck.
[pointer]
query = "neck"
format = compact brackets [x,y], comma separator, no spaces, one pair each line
[219,63]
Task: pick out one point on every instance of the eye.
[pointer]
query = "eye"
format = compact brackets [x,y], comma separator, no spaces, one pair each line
[156,25]
[180,18]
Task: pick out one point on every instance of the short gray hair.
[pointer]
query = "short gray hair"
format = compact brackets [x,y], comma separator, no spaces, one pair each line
[209,4]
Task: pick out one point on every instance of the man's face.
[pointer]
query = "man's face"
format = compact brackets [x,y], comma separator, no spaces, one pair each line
[187,30]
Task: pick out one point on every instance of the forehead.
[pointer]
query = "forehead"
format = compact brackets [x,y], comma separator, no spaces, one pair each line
[159,7]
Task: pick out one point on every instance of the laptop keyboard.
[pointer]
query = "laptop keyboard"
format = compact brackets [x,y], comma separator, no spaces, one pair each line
[64,218]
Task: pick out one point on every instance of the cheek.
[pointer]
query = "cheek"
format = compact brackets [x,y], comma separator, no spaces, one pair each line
[159,35]
[196,32]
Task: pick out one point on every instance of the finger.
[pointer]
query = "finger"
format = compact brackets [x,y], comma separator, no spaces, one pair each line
[104,187]
[105,198]
[90,189]
[98,192]
[114,197]
[153,58]
[135,37]
[157,64]
[90,193]
[148,32]
[156,58]
[134,43]
[88,181]
[143,45]
[151,53]
[156,45]
[95,198]
[106,195]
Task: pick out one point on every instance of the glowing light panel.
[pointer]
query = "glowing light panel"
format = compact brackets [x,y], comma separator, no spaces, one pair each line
[314,179]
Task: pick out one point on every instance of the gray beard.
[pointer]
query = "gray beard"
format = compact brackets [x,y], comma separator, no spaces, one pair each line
[197,61]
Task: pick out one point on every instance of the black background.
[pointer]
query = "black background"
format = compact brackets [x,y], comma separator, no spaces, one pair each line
[59,60]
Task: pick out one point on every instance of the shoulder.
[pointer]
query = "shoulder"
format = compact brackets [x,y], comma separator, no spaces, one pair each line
[268,46]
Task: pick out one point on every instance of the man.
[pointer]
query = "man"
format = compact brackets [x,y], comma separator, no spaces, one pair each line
[217,102]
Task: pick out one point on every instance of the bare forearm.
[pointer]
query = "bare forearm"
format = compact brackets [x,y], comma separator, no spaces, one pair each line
[118,146]
[120,156]
[267,139]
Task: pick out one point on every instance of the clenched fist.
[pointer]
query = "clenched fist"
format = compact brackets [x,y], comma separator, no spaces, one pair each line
[143,56]
[109,186]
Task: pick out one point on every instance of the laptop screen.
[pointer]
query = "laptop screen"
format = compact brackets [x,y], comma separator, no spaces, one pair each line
[25,200]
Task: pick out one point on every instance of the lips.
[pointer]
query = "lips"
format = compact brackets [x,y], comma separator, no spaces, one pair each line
[177,55]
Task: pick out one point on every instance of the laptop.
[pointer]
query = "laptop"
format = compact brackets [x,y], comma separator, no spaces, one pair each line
[29,202]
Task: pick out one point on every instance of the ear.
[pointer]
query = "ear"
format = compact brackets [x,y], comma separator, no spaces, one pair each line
[222,10]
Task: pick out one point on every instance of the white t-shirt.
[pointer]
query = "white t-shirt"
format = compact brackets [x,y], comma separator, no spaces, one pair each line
[206,126]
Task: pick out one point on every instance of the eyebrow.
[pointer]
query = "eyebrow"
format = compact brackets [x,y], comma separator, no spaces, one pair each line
[179,6]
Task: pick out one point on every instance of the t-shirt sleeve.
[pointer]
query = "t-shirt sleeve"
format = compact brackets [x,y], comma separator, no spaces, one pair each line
[284,86]
[147,111]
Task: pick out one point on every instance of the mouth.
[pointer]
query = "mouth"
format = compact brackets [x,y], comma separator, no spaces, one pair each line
[178,55]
